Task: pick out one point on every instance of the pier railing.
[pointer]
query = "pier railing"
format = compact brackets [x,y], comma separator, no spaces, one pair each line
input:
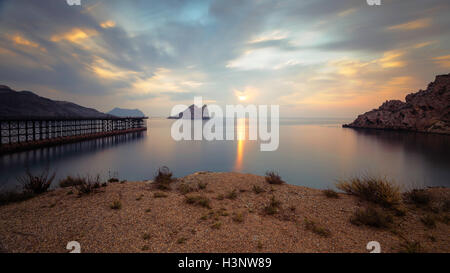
[25,133]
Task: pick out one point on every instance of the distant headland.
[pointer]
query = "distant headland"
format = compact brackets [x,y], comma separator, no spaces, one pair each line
[426,111]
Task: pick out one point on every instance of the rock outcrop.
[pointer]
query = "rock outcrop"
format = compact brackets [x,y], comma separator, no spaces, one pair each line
[425,111]
[121,112]
[193,112]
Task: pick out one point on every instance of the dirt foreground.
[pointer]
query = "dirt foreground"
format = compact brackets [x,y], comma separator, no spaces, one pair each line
[149,220]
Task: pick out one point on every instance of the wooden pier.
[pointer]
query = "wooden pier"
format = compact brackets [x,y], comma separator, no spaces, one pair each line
[19,134]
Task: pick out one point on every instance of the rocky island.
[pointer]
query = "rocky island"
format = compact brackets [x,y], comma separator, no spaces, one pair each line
[426,111]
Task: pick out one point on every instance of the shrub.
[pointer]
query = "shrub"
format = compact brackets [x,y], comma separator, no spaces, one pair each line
[232,195]
[418,197]
[273,178]
[185,188]
[317,229]
[70,181]
[202,186]
[272,207]
[36,184]
[163,178]
[116,205]
[88,185]
[373,217]
[238,217]
[376,190]
[113,180]
[429,221]
[146,236]
[257,189]
[216,225]
[201,201]
[330,193]
[159,195]
[410,247]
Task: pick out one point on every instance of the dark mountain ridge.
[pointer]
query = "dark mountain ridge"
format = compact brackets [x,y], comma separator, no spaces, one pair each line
[26,104]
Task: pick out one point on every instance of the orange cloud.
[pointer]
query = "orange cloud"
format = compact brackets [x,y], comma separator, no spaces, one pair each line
[75,35]
[412,25]
[390,59]
[108,24]
[22,41]
[443,61]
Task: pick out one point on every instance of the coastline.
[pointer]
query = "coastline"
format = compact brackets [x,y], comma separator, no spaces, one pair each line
[234,220]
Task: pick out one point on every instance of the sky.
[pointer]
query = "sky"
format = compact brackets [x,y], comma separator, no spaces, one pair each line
[313,58]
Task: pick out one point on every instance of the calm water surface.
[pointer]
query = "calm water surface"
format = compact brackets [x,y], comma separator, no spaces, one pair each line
[312,152]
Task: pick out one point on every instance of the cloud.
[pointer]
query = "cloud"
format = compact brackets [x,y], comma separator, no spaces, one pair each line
[412,25]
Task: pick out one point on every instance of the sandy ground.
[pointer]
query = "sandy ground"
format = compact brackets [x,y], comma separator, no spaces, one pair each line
[148,224]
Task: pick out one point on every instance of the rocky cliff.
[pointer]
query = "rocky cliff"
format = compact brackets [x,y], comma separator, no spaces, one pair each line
[425,111]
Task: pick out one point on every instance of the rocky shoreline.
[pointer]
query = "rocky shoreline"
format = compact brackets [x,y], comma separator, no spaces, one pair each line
[215,212]
[427,111]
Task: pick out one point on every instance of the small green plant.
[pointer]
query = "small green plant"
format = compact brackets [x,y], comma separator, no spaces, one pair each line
[198,200]
[429,221]
[216,225]
[410,247]
[159,195]
[148,210]
[330,193]
[116,205]
[88,185]
[163,178]
[272,207]
[113,180]
[146,236]
[376,190]
[220,197]
[274,178]
[139,198]
[260,245]
[185,188]
[182,240]
[257,189]
[373,217]
[238,217]
[202,185]
[317,229]
[70,181]
[145,248]
[70,192]
[232,195]
[418,197]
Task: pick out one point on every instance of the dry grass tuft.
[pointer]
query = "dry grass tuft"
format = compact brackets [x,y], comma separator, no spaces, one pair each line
[159,195]
[36,184]
[257,189]
[273,207]
[116,205]
[70,181]
[317,229]
[377,190]
[198,200]
[163,178]
[273,178]
[418,197]
[373,217]
[330,193]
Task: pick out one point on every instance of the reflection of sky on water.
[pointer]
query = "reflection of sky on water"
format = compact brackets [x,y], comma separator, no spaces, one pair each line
[311,153]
